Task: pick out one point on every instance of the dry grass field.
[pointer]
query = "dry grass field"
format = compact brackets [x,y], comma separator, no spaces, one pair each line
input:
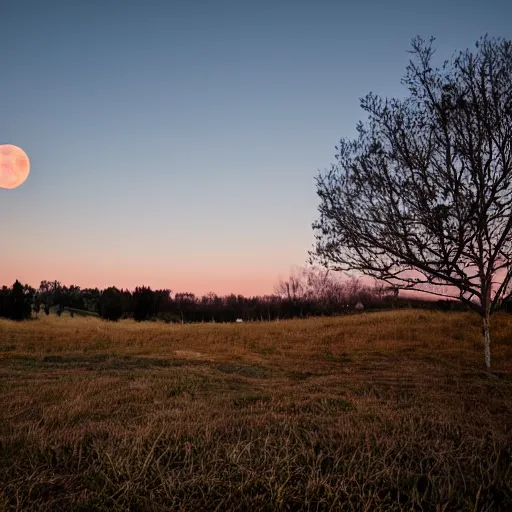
[372,412]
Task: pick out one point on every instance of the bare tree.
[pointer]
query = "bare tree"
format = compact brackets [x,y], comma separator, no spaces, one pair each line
[295,287]
[423,196]
[324,286]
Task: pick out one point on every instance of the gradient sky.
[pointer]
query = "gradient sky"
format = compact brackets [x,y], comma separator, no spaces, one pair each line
[175,143]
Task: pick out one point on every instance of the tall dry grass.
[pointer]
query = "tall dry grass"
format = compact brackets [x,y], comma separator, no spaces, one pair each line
[383,411]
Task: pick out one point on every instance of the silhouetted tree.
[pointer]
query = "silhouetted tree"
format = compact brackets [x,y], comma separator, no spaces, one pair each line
[111,304]
[163,301]
[73,298]
[144,303]
[37,303]
[19,304]
[185,303]
[423,196]
[5,302]
[127,303]
[50,294]
[91,299]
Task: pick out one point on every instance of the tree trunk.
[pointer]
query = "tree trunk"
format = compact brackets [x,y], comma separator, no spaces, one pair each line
[486,340]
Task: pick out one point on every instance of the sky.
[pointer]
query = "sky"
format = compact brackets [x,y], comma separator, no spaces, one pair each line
[174,144]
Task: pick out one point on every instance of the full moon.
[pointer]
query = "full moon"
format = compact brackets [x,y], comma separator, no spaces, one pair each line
[14,166]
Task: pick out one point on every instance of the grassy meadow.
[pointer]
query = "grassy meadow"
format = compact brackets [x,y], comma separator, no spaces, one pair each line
[371,412]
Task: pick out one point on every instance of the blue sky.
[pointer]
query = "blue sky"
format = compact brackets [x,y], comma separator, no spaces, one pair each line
[175,144]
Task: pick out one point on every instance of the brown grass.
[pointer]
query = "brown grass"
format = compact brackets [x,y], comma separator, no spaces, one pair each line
[375,412]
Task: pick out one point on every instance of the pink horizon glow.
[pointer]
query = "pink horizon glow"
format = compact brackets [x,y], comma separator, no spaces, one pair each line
[200,283]
[249,284]
[248,278]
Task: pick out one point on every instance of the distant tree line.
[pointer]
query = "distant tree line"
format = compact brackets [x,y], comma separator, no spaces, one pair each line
[306,293]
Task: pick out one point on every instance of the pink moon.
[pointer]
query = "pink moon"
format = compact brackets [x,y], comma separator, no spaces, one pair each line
[14,166]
